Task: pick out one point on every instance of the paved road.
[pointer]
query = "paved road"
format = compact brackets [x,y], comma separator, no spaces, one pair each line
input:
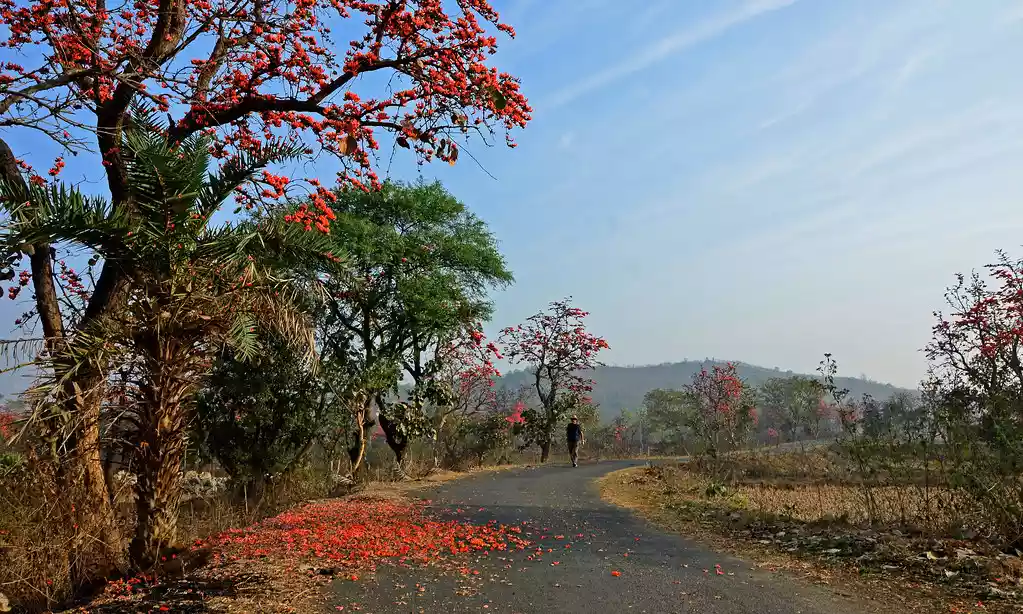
[660,573]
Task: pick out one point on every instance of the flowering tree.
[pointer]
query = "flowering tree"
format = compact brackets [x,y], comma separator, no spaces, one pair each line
[465,370]
[980,343]
[195,289]
[7,420]
[976,390]
[247,75]
[721,408]
[556,350]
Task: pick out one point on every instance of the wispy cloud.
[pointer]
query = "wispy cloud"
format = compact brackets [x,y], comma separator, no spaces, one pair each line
[662,49]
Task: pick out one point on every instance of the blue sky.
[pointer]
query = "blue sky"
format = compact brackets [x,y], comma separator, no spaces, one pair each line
[764,180]
[758,180]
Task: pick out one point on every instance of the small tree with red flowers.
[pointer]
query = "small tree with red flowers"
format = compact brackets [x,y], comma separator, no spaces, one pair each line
[466,368]
[721,409]
[976,388]
[556,350]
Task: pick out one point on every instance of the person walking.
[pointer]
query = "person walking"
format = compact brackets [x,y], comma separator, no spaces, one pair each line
[574,435]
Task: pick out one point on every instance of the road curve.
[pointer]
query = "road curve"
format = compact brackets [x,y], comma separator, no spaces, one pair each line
[660,573]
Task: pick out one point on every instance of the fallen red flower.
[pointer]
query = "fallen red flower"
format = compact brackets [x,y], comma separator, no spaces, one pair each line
[360,534]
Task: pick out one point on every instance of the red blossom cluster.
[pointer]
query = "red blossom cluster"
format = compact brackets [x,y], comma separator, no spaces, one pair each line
[619,432]
[516,415]
[23,278]
[982,336]
[7,419]
[72,281]
[360,534]
[254,73]
[720,387]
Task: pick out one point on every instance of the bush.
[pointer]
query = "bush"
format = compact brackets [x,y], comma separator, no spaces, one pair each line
[471,440]
[258,418]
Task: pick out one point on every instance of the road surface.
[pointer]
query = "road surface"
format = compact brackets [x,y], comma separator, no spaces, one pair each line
[660,573]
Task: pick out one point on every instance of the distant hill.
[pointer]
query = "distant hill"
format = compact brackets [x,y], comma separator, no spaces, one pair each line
[620,388]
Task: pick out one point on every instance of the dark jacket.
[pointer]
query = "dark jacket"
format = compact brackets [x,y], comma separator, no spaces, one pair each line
[573,432]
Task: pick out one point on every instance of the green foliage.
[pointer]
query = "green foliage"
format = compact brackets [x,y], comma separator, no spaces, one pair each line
[417,271]
[538,426]
[408,419]
[10,462]
[670,415]
[791,405]
[257,417]
[476,437]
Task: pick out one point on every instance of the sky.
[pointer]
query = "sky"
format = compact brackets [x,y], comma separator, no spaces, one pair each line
[762,180]
[753,180]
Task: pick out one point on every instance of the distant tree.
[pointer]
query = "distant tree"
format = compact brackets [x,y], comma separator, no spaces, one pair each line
[556,349]
[670,414]
[721,408]
[790,404]
[475,437]
[416,272]
[464,369]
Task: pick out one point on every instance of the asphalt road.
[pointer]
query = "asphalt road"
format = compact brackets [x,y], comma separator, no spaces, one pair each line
[660,573]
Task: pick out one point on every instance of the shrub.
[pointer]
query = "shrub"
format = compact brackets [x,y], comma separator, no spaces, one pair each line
[258,418]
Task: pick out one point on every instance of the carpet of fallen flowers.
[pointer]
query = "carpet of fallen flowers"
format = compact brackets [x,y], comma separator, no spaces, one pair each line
[280,559]
[358,534]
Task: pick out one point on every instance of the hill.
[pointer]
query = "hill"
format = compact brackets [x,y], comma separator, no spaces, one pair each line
[620,388]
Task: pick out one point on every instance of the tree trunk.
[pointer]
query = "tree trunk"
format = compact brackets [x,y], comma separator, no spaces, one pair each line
[95,550]
[545,451]
[160,453]
[438,439]
[357,452]
[395,440]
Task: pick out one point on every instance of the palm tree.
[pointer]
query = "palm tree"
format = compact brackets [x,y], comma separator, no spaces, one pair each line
[193,289]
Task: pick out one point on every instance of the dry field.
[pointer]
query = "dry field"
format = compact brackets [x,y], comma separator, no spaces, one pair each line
[802,513]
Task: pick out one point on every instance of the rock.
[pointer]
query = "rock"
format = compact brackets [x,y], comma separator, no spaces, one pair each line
[5,605]
[997,592]
[832,551]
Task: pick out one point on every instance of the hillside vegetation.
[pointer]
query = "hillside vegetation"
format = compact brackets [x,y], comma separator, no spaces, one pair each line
[616,388]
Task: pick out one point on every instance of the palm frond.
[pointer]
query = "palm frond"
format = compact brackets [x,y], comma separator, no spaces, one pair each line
[242,337]
[271,243]
[60,213]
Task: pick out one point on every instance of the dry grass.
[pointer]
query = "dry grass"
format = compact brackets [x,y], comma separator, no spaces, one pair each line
[810,531]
